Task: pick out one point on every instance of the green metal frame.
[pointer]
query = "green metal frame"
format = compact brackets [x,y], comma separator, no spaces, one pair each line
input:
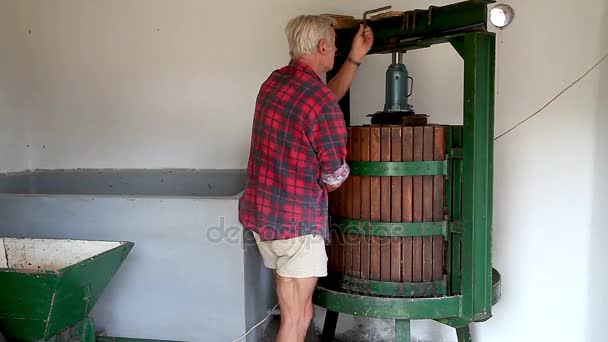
[390,169]
[478,153]
[473,286]
[52,305]
[395,289]
[38,305]
[421,28]
[454,207]
[390,229]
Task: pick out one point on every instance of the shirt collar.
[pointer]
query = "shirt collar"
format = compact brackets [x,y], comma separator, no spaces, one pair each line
[296,63]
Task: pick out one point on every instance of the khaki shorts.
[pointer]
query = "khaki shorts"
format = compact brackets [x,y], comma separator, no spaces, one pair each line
[300,257]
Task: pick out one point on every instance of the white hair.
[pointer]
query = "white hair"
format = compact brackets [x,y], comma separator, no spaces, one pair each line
[305,31]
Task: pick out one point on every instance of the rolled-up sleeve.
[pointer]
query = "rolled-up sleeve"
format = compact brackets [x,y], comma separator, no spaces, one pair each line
[337,177]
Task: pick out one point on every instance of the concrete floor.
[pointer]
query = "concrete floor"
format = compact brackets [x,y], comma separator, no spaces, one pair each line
[272,327]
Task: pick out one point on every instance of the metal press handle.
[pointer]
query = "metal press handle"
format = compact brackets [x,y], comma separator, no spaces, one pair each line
[411,86]
[375,10]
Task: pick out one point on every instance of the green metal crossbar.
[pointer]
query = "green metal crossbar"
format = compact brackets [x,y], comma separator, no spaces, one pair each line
[413,27]
[395,289]
[388,307]
[390,229]
[396,169]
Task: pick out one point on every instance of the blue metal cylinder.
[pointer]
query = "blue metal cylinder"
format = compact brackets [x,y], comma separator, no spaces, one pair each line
[397,89]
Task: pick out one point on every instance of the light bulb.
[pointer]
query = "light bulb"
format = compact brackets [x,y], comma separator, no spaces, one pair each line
[501,15]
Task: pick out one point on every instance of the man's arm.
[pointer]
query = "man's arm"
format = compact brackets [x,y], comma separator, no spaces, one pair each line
[327,135]
[362,43]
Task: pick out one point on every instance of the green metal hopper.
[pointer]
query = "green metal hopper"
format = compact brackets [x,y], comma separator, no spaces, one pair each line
[48,286]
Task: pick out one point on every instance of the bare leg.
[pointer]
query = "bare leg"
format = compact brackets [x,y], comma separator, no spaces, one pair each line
[295,301]
[305,323]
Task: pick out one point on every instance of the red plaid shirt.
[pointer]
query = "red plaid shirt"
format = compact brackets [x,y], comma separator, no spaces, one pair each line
[298,135]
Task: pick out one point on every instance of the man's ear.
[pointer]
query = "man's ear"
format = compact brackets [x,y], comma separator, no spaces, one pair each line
[323,47]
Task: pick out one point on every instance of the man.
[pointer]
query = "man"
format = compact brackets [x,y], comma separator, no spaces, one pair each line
[297,156]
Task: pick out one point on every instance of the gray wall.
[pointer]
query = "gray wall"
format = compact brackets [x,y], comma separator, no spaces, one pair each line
[165,182]
[190,276]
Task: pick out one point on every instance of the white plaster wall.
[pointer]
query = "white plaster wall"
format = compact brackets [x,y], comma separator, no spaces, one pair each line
[145,84]
[14,96]
[598,253]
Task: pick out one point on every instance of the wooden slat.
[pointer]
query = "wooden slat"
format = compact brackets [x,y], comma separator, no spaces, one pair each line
[385,204]
[375,204]
[438,205]
[427,205]
[417,205]
[407,212]
[331,248]
[345,21]
[343,189]
[338,247]
[375,181]
[332,203]
[356,199]
[388,14]
[331,252]
[348,247]
[356,180]
[338,253]
[341,196]
[364,134]
[349,181]
[396,185]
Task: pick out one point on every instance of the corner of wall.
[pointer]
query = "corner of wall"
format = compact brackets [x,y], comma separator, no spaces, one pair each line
[597,298]
[259,289]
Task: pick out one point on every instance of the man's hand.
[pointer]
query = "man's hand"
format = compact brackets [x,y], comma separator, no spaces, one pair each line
[362,43]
